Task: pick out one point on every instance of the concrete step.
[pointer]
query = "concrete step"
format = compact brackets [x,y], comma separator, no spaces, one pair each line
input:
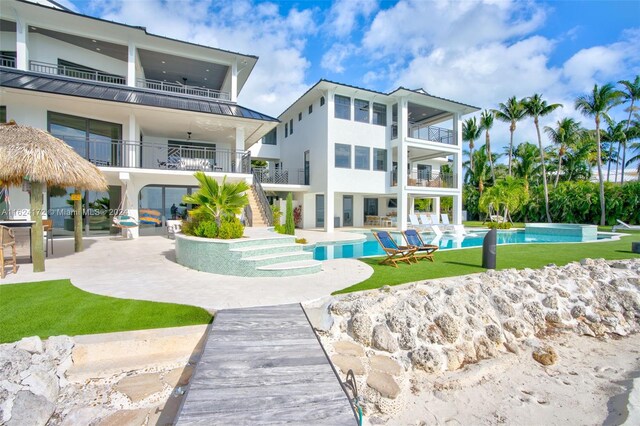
[246,252]
[286,269]
[274,258]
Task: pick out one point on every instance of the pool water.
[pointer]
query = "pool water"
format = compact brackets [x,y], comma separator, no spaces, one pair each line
[370,247]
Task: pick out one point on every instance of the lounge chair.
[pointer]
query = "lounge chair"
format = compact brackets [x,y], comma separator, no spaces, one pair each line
[626,226]
[394,252]
[457,229]
[415,224]
[425,251]
[434,219]
[426,220]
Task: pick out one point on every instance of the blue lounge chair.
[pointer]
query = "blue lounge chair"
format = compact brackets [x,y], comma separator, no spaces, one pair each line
[394,252]
[425,251]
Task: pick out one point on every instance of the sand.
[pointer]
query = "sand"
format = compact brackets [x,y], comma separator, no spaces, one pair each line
[588,385]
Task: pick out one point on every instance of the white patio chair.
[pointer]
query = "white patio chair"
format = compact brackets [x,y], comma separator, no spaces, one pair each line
[623,225]
[414,223]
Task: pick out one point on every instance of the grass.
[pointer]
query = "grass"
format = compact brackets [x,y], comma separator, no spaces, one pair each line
[50,308]
[451,263]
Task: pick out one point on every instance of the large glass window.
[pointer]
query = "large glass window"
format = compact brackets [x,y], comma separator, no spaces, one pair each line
[160,203]
[343,155]
[286,129]
[270,138]
[424,172]
[379,114]
[362,157]
[394,121]
[380,159]
[291,126]
[362,110]
[93,139]
[343,107]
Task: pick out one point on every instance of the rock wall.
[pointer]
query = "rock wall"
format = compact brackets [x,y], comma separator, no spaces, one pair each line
[390,336]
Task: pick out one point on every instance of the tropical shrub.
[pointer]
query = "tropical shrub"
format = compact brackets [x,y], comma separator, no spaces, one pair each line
[301,240]
[276,213]
[470,198]
[499,225]
[231,228]
[289,224]
[206,229]
[297,216]
[507,197]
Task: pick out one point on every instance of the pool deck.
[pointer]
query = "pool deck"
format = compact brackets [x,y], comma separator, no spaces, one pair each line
[145,269]
[264,366]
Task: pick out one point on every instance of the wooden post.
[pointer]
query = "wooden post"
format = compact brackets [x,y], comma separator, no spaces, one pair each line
[37,232]
[77,221]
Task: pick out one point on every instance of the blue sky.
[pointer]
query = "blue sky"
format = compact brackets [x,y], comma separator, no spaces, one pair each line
[476,52]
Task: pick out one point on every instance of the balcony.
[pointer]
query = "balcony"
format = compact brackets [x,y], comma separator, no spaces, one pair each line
[427,180]
[280,176]
[7,61]
[432,133]
[135,154]
[94,75]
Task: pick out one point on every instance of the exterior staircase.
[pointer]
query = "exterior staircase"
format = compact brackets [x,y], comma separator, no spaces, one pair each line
[258,218]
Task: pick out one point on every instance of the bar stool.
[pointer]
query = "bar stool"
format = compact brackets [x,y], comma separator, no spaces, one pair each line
[47,225]
[7,240]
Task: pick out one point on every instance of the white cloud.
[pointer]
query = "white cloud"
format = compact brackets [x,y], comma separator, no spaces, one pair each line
[344,14]
[241,26]
[334,57]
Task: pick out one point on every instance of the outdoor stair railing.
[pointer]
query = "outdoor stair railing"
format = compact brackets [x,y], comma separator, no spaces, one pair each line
[263,202]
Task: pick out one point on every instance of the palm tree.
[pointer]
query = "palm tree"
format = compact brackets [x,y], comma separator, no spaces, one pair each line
[536,107]
[631,93]
[470,132]
[216,200]
[634,133]
[565,134]
[486,122]
[524,164]
[510,112]
[478,173]
[597,104]
[580,158]
[615,133]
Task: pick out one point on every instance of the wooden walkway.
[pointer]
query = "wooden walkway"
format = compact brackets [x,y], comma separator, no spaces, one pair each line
[264,366]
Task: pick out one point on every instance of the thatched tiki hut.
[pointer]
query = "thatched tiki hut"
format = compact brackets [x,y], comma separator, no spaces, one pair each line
[27,153]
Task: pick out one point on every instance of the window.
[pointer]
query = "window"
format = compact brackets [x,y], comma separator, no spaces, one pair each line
[310,109]
[380,159]
[299,116]
[343,107]
[379,114]
[291,126]
[362,157]
[343,155]
[270,138]
[286,129]
[362,110]
[321,100]
[394,121]
[424,172]
[3,114]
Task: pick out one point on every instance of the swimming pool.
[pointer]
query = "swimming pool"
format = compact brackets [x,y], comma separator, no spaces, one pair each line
[370,247]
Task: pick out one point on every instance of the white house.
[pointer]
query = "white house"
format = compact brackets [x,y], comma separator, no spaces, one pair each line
[147,110]
[348,152]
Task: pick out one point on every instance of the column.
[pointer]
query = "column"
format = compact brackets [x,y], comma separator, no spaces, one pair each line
[131,65]
[403,161]
[457,209]
[239,150]
[132,148]
[435,206]
[457,170]
[234,81]
[129,196]
[329,195]
[22,51]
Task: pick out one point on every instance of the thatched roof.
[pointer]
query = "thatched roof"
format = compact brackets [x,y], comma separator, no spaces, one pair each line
[27,151]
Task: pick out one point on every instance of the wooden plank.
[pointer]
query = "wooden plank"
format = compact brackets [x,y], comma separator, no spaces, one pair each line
[264,366]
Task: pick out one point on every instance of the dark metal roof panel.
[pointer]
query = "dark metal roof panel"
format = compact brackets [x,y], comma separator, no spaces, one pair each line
[10,77]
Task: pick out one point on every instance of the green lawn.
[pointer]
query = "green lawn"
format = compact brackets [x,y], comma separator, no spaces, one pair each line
[50,308]
[450,263]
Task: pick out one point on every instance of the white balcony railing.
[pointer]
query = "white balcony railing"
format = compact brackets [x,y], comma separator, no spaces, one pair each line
[182,89]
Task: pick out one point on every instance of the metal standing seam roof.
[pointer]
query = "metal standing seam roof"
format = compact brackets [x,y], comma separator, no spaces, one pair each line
[19,79]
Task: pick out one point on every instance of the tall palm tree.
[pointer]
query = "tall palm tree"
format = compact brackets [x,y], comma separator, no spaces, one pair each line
[510,112]
[615,133]
[470,132]
[537,107]
[478,173]
[634,133]
[566,133]
[216,200]
[597,104]
[580,158]
[524,162]
[486,123]
[631,93]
